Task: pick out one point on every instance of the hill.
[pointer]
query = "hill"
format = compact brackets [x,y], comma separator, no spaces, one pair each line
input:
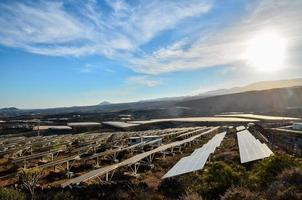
[251,98]
[263,85]
[104,103]
[264,101]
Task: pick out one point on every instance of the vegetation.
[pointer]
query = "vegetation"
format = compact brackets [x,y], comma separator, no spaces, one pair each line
[191,196]
[217,178]
[288,185]
[29,179]
[57,145]
[61,195]
[172,188]
[274,178]
[267,170]
[278,177]
[241,193]
[11,194]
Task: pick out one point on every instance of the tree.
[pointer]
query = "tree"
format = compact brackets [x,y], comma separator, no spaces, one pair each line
[29,179]
[11,194]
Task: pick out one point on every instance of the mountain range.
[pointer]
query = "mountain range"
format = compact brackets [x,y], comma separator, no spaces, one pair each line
[263,85]
[266,96]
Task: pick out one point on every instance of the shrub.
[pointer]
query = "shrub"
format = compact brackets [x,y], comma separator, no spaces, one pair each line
[217,178]
[172,187]
[267,170]
[63,196]
[11,194]
[290,193]
[290,177]
[240,193]
[29,179]
[144,195]
[191,196]
[288,185]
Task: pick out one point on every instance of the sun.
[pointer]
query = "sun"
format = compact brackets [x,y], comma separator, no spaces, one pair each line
[266,51]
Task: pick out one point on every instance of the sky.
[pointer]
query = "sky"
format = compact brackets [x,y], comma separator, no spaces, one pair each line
[70,53]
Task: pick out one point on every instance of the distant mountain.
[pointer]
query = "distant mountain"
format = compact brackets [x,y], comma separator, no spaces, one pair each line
[267,96]
[104,103]
[264,85]
[165,99]
[264,101]
[10,109]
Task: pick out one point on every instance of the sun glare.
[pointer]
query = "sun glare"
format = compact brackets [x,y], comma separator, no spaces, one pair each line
[266,52]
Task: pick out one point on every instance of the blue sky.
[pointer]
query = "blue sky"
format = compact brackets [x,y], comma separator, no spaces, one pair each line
[66,53]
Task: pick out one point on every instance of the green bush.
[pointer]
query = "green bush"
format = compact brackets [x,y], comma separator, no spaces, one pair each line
[63,196]
[217,178]
[288,186]
[241,193]
[290,193]
[191,196]
[11,194]
[291,177]
[267,170]
[172,188]
[144,195]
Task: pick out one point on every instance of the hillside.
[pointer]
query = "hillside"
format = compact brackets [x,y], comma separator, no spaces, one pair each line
[263,85]
[266,101]
[280,100]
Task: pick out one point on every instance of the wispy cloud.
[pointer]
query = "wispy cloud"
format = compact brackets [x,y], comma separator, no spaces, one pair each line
[119,30]
[57,28]
[89,68]
[28,26]
[117,5]
[227,46]
[143,80]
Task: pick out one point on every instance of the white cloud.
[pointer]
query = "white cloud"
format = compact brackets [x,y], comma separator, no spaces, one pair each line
[151,18]
[44,24]
[119,32]
[117,5]
[199,55]
[43,28]
[143,80]
[87,68]
[60,29]
[228,46]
